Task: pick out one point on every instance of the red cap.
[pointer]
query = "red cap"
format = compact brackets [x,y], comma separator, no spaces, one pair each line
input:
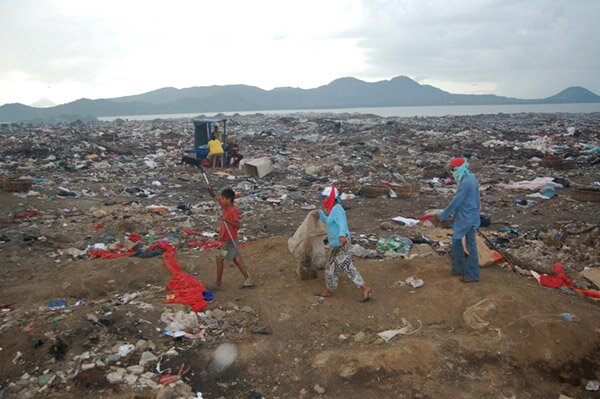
[456,162]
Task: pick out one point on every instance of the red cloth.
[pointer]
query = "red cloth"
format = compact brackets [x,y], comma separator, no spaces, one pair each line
[557,280]
[30,213]
[590,293]
[231,213]
[134,237]
[212,244]
[191,232]
[329,203]
[206,244]
[560,279]
[100,253]
[456,162]
[184,288]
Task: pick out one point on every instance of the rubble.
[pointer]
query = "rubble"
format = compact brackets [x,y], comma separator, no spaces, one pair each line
[76,188]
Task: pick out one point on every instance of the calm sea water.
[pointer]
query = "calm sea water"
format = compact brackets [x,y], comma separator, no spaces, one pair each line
[400,111]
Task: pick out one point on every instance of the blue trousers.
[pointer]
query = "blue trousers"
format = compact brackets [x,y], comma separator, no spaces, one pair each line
[467,266]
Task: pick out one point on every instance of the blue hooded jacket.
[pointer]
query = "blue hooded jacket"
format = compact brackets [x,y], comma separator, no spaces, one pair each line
[466,206]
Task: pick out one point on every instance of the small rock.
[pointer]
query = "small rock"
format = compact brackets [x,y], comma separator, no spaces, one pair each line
[319,389]
[88,366]
[146,382]
[46,379]
[171,352]
[218,314]
[27,394]
[284,316]
[303,392]
[112,358]
[141,345]
[130,379]
[247,309]
[359,337]
[149,375]
[182,389]
[593,386]
[164,393]
[137,370]
[147,358]
[261,330]
[114,377]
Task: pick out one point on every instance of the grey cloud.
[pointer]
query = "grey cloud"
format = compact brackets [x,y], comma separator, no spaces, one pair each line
[528,48]
[51,47]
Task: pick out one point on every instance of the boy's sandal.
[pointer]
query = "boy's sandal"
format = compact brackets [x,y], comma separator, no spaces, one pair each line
[215,289]
[247,286]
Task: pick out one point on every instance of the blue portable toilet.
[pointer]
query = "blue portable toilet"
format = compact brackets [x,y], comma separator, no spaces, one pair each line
[203,128]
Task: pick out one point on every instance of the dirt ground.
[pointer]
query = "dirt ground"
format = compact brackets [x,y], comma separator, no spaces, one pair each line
[325,348]
[506,337]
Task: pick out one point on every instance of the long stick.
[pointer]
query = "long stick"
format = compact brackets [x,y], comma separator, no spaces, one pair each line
[480,233]
[212,194]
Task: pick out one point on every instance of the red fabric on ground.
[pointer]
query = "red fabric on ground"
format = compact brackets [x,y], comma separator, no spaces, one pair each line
[184,288]
[561,279]
[134,237]
[590,293]
[191,232]
[100,253]
[212,244]
[557,280]
[30,213]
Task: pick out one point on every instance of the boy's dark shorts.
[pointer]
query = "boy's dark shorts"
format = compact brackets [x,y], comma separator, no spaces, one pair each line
[229,251]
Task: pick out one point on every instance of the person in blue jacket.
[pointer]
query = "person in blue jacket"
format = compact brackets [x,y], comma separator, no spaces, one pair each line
[465,206]
[338,236]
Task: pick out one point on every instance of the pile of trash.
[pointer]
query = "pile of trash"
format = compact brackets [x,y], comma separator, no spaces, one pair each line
[80,191]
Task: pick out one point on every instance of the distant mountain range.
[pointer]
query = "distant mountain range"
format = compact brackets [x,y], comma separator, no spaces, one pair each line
[341,93]
[42,103]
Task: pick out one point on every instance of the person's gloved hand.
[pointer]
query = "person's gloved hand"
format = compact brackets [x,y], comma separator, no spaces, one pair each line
[435,220]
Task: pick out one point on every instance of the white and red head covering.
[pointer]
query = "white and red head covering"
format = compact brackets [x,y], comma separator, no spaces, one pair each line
[332,195]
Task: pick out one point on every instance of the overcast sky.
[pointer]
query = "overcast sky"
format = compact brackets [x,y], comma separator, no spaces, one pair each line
[68,49]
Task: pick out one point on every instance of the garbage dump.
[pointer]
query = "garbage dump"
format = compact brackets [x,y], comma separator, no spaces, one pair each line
[109,242]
